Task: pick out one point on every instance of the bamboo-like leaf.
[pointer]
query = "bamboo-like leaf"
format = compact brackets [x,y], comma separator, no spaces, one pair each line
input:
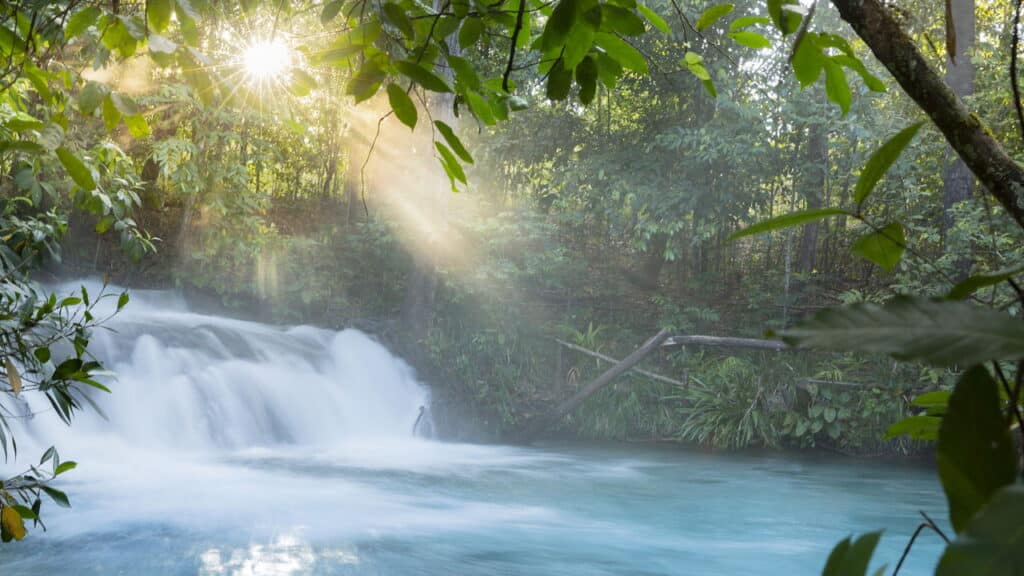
[788,220]
[936,332]
[880,162]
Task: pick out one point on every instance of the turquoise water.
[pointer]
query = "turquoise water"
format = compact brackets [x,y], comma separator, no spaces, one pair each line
[428,508]
[239,449]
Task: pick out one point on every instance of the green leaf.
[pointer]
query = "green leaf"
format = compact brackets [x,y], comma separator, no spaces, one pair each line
[836,88]
[366,82]
[451,164]
[122,300]
[919,427]
[750,39]
[786,21]
[470,32]
[880,162]
[124,104]
[58,497]
[81,21]
[622,52]
[562,19]
[137,126]
[975,453]
[852,559]
[465,73]
[64,467]
[422,76]
[808,60]
[78,171]
[91,97]
[111,115]
[158,14]
[883,247]
[618,20]
[712,15]
[993,543]
[974,283]
[654,18]
[581,38]
[937,332]
[559,82]
[788,220]
[870,80]
[586,77]
[933,398]
[747,21]
[480,107]
[397,17]
[453,141]
[403,105]
[330,10]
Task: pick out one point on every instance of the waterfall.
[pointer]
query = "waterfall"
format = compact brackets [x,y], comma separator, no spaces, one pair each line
[188,381]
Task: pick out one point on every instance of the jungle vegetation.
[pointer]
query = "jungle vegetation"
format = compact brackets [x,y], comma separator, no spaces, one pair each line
[842,175]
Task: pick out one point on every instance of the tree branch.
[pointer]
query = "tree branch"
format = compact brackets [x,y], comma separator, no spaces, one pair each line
[964,131]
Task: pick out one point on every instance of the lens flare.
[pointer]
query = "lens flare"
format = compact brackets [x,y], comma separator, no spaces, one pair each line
[266,60]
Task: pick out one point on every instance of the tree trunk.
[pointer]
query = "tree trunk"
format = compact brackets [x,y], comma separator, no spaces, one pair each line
[815,166]
[964,131]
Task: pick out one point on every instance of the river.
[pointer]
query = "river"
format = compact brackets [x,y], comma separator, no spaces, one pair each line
[235,448]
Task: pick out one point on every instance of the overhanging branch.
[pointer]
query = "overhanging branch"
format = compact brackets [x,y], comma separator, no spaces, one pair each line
[964,131]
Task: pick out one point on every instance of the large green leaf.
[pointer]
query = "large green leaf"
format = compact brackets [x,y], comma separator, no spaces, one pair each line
[453,141]
[971,285]
[880,162]
[750,39]
[80,21]
[562,19]
[836,87]
[77,169]
[621,21]
[808,60]
[920,427]
[559,82]
[975,453]
[394,14]
[883,246]
[622,52]
[330,10]
[993,544]
[788,220]
[852,558]
[158,14]
[422,76]
[586,77]
[712,15]
[938,332]
[402,105]
[654,18]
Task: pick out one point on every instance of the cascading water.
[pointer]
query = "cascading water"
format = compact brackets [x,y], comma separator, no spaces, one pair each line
[235,448]
[193,382]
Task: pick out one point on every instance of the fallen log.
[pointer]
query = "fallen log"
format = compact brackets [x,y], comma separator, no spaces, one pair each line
[610,374]
[611,360]
[725,341]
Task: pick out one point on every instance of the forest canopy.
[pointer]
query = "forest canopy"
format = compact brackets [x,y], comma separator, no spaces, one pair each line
[481,179]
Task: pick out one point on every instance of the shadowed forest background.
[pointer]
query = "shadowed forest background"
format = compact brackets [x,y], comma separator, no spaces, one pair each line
[593,225]
[817,208]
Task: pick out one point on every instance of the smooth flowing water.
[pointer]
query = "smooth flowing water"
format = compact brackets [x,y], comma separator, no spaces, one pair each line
[234,448]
